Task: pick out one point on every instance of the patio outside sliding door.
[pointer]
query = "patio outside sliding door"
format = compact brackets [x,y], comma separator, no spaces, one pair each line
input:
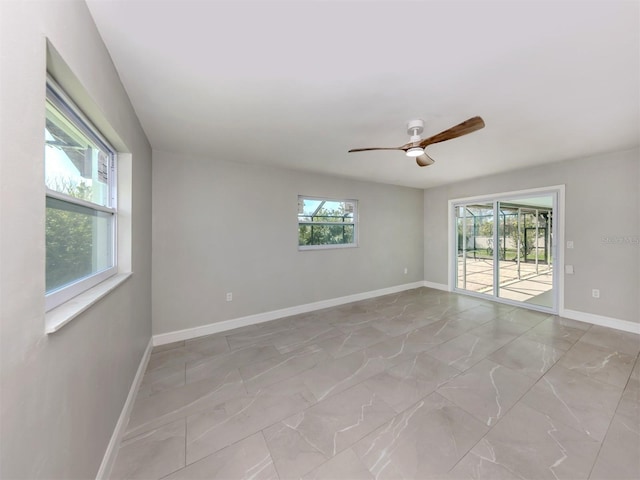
[525,231]
[504,248]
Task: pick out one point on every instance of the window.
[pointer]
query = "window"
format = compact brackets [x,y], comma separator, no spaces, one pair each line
[327,223]
[80,180]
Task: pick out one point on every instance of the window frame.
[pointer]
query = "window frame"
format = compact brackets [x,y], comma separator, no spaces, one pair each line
[329,246]
[60,100]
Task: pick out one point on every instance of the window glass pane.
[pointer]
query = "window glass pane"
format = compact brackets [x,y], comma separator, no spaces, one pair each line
[326,222]
[75,164]
[79,242]
[325,234]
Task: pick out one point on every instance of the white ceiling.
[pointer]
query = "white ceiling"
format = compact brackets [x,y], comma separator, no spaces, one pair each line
[297,84]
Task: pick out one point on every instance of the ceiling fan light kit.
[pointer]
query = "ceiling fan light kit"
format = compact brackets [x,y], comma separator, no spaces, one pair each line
[415,152]
[415,128]
[415,148]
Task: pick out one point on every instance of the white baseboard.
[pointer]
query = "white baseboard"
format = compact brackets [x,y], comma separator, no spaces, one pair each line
[112,449]
[437,286]
[624,325]
[189,333]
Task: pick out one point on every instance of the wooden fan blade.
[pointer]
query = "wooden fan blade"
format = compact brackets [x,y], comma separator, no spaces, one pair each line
[374,148]
[468,126]
[425,160]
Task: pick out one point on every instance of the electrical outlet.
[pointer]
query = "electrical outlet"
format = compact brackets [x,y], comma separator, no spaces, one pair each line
[406,270]
[595,293]
[569,243]
[229,296]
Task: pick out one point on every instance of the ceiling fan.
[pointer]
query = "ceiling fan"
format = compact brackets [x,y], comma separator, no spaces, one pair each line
[415,148]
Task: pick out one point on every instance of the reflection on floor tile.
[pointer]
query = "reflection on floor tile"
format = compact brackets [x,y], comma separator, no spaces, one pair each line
[418,384]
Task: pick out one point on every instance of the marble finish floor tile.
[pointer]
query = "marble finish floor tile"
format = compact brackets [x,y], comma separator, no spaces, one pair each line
[211,366]
[276,369]
[567,322]
[600,363]
[487,390]
[153,411]
[556,333]
[170,358]
[530,318]
[528,444]
[248,459]
[207,345]
[346,465]
[479,315]
[620,453]
[500,329]
[527,356]
[347,343]
[228,422]
[426,439]
[617,340]
[421,384]
[162,379]
[466,350]
[153,454]
[440,331]
[410,381]
[183,352]
[304,337]
[404,322]
[619,456]
[347,323]
[332,377]
[265,336]
[304,441]
[578,401]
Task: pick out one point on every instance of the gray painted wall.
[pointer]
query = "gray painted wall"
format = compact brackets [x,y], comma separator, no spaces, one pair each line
[61,394]
[602,200]
[227,227]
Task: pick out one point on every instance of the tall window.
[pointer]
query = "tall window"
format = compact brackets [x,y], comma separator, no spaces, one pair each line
[326,223]
[80,180]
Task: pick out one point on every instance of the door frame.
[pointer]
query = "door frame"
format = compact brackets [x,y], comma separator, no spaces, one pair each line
[557,252]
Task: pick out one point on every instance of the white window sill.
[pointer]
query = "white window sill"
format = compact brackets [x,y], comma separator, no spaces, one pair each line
[332,246]
[61,315]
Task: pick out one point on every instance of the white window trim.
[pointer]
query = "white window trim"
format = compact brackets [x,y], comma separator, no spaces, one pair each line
[333,246]
[58,297]
[558,191]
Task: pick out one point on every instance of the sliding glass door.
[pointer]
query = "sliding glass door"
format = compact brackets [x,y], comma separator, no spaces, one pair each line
[504,248]
[474,244]
[526,264]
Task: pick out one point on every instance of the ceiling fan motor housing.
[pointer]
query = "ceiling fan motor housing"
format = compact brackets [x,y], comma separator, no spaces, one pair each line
[415,127]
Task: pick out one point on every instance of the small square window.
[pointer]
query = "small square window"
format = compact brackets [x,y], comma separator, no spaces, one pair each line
[327,223]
